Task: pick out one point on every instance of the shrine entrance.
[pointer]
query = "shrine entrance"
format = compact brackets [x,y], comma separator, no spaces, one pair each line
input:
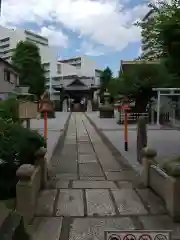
[173,92]
[77,94]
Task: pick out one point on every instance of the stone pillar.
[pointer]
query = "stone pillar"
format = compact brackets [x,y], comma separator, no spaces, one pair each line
[27,190]
[141,137]
[148,158]
[42,162]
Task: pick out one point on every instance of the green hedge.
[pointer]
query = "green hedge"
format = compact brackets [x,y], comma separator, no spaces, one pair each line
[17,147]
[9,109]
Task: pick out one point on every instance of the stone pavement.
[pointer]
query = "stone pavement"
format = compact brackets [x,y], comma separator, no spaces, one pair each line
[165,140]
[90,192]
[55,129]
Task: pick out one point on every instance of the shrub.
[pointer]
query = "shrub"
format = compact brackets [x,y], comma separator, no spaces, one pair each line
[17,147]
[9,109]
[172,167]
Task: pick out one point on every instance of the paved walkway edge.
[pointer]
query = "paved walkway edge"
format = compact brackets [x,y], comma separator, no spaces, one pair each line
[60,141]
[115,152]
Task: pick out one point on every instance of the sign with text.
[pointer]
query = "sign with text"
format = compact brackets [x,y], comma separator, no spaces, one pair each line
[28,110]
[138,235]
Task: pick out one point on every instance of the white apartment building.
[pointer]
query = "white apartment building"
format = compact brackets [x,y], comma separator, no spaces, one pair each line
[58,73]
[148,48]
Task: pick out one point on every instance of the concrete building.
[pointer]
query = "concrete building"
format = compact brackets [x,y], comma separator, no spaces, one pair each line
[8,79]
[79,80]
[59,74]
[148,47]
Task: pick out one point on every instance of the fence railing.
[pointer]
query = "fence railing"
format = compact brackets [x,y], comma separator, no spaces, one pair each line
[132,117]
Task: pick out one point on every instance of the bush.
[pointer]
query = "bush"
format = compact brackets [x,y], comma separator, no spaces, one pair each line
[172,167]
[9,109]
[17,147]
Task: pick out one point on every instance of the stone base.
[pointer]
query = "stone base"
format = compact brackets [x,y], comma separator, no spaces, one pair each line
[94,105]
[50,115]
[106,111]
[168,188]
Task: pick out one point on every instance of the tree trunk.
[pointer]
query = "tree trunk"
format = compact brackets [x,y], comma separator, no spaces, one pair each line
[141,104]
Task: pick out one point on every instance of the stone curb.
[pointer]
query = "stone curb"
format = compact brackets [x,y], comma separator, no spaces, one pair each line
[61,138]
[115,152]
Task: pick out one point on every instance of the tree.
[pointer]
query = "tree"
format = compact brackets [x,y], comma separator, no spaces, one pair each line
[26,59]
[137,83]
[160,29]
[114,86]
[105,78]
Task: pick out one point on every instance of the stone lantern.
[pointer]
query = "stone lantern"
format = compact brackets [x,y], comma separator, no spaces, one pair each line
[106,110]
[46,105]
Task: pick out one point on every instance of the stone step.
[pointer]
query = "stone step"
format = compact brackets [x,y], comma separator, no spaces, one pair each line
[44,228]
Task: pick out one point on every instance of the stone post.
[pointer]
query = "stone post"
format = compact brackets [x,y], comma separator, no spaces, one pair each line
[42,162]
[141,137]
[27,190]
[148,158]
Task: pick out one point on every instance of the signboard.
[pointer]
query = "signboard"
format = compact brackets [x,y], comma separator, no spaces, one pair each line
[138,235]
[28,110]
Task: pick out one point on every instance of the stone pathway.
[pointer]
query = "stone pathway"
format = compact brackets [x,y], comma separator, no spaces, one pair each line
[90,192]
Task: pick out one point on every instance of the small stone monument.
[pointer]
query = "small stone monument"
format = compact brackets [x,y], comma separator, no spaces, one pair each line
[106,110]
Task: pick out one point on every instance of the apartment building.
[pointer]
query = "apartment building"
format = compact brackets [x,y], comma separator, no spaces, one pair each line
[148,47]
[9,38]
[59,74]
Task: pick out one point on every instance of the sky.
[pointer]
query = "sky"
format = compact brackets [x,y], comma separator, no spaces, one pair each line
[104,30]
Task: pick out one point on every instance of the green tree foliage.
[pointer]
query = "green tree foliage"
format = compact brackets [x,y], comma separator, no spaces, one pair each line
[26,59]
[161,29]
[137,83]
[105,78]
[114,86]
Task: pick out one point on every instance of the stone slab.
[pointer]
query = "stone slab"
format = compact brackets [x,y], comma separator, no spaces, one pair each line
[70,203]
[111,166]
[99,203]
[114,176]
[161,222]
[66,165]
[125,184]
[128,202]
[45,202]
[123,176]
[85,149]
[94,184]
[93,228]
[153,202]
[87,158]
[65,176]
[92,178]
[49,228]
[90,169]
[62,184]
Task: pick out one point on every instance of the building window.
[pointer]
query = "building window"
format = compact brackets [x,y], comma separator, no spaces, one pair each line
[4,40]
[59,68]
[46,66]
[7,75]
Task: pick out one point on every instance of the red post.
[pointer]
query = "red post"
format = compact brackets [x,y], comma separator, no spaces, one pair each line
[125,108]
[125,131]
[45,124]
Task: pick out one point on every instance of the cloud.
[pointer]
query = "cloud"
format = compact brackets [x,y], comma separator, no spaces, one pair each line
[91,49]
[56,37]
[105,22]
